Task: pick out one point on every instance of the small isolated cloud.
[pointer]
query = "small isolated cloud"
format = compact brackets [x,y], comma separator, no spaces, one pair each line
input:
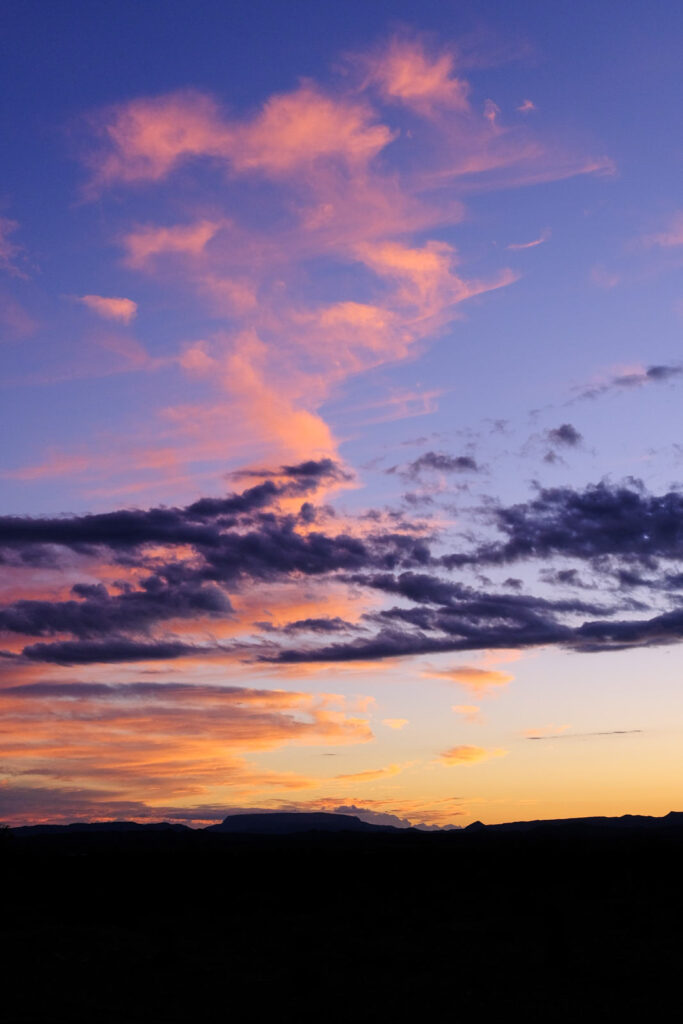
[543,237]
[467,756]
[111,308]
[395,723]
[472,677]
[440,462]
[371,774]
[470,712]
[406,72]
[564,436]
[540,735]
[491,112]
[526,107]
[546,732]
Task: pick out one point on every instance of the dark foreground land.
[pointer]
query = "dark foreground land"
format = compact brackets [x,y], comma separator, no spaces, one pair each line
[557,922]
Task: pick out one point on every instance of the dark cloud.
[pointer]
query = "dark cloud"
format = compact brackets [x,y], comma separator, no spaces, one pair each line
[440,462]
[564,436]
[601,520]
[655,374]
[186,561]
[322,625]
[310,472]
[89,652]
[98,613]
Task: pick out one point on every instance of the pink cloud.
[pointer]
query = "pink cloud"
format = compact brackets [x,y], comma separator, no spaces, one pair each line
[672,236]
[344,195]
[145,243]
[404,72]
[147,139]
[543,237]
[111,308]
[9,251]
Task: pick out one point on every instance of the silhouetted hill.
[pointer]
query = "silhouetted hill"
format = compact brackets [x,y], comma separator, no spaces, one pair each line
[287,823]
[579,826]
[120,922]
[98,827]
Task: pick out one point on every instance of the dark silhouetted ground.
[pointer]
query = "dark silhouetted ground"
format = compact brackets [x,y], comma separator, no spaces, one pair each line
[559,922]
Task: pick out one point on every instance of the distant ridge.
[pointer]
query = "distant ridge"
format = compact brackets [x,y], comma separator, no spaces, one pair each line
[77,827]
[674,819]
[282,823]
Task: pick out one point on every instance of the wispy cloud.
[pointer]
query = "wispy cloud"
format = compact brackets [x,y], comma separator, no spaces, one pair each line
[467,755]
[543,237]
[123,310]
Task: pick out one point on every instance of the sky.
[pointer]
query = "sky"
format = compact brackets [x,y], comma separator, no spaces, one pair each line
[340,410]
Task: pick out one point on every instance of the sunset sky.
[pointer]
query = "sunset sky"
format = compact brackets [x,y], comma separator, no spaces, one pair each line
[341,409]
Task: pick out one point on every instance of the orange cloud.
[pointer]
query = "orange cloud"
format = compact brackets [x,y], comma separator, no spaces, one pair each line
[472,677]
[545,730]
[395,723]
[467,756]
[470,712]
[124,310]
[162,740]
[372,774]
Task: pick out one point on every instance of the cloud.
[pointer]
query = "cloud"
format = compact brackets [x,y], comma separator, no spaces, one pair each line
[526,107]
[473,677]
[546,732]
[395,723]
[9,250]
[148,139]
[536,735]
[101,744]
[361,173]
[470,712]
[466,755]
[441,462]
[657,373]
[372,774]
[88,652]
[600,520]
[123,310]
[146,243]
[543,237]
[405,72]
[564,436]
[162,582]
[672,236]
